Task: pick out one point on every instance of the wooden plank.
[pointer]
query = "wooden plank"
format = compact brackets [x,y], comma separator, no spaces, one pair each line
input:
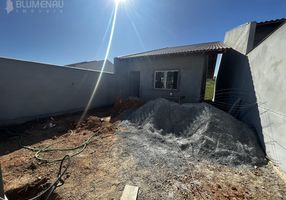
[129,193]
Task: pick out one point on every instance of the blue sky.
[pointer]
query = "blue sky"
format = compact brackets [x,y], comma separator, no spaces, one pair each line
[79,32]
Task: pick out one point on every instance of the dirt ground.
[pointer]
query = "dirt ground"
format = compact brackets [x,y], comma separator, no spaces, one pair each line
[118,157]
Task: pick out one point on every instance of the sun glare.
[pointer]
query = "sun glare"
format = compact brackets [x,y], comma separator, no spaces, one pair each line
[91,99]
[119,1]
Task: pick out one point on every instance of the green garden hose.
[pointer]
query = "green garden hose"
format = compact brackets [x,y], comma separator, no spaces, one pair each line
[80,148]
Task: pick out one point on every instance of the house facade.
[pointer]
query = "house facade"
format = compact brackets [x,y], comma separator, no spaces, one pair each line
[177,73]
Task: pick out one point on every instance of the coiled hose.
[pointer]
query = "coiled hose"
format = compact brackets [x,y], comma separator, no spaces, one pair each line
[79,149]
[58,182]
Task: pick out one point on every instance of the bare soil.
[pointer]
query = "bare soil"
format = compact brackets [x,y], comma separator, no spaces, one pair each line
[118,157]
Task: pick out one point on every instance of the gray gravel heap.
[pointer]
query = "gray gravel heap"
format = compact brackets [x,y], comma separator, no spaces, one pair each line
[200,130]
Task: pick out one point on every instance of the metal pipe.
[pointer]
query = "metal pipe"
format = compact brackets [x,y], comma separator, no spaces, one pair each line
[1,185]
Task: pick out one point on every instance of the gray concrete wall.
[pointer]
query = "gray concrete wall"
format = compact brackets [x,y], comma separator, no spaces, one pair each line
[95,65]
[268,69]
[234,82]
[257,80]
[264,30]
[241,38]
[191,70]
[31,90]
[234,86]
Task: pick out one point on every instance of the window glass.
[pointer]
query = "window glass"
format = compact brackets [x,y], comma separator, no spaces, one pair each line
[172,80]
[159,80]
[166,80]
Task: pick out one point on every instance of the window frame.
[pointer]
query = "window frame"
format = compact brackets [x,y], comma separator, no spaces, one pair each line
[165,79]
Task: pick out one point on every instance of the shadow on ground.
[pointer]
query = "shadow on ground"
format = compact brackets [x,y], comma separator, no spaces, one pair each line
[13,138]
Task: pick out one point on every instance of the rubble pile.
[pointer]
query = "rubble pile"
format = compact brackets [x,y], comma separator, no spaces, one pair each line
[201,130]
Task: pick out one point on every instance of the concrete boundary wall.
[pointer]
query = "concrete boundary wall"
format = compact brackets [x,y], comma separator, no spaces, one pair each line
[31,90]
[241,38]
[255,84]
[268,68]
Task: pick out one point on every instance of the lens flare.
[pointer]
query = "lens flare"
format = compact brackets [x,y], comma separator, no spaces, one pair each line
[119,1]
[104,63]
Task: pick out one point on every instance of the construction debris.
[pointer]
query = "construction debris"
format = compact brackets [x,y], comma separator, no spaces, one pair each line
[127,153]
[201,130]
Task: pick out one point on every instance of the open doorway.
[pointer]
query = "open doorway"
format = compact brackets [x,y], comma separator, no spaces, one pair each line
[212,71]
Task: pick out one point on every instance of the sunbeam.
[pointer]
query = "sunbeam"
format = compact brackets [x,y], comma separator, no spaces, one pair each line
[136,32]
[104,63]
[108,26]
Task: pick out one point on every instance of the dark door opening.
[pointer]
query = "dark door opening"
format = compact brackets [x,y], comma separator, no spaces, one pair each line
[134,83]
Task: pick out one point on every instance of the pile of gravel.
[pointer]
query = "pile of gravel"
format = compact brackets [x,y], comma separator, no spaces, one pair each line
[201,131]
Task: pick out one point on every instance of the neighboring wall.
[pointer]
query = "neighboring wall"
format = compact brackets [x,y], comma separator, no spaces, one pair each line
[241,38]
[253,84]
[31,90]
[95,65]
[268,69]
[191,75]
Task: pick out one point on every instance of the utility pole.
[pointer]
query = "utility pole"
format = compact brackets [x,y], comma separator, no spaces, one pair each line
[1,185]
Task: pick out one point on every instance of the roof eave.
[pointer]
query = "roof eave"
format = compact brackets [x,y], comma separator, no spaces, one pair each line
[198,52]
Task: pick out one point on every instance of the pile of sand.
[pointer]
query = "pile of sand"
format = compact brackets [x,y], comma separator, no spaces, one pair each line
[201,130]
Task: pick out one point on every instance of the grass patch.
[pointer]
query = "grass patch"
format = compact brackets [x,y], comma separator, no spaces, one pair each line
[209,92]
